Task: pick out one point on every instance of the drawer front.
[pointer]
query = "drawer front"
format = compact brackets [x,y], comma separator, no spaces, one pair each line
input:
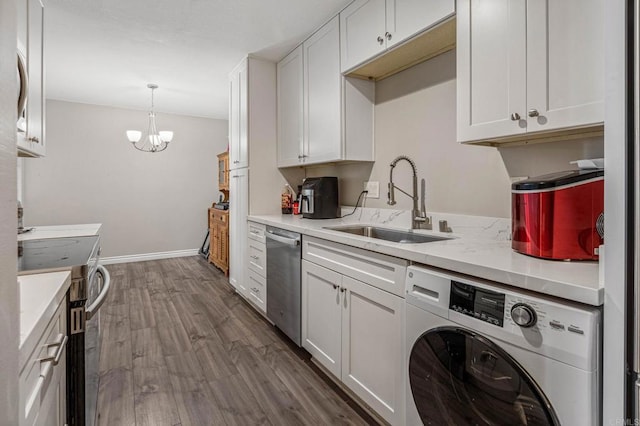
[257,257]
[257,232]
[384,272]
[218,217]
[258,290]
[39,375]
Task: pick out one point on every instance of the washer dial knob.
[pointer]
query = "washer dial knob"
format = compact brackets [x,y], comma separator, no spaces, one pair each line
[523,315]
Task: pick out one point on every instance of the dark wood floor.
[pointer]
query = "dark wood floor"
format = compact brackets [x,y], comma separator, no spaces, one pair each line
[179,347]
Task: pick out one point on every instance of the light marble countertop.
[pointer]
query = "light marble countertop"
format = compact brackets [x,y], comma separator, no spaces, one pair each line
[40,296]
[60,231]
[470,254]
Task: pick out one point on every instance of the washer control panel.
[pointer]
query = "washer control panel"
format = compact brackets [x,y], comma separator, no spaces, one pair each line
[476,302]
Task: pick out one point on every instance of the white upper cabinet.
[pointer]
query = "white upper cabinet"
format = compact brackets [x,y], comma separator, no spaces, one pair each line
[322,95]
[238,117]
[31,124]
[363,25]
[336,111]
[528,66]
[565,63]
[290,78]
[369,27]
[406,18]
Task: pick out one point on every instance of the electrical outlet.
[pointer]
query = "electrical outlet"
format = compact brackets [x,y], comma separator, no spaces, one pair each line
[374,189]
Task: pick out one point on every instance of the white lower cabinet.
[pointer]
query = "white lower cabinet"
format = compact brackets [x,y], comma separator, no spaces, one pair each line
[42,380]
[355,331]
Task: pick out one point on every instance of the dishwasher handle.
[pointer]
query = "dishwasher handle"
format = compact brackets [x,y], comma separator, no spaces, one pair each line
[284,240]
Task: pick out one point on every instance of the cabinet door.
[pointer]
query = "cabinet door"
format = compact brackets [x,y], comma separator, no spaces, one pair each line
[290,88]
[321,315]
[362,28]
[491,68]
[32,140]
[372,362]
[406,18]
[238,210]
[238,117]
[322,95]
[565,63]
[213,244]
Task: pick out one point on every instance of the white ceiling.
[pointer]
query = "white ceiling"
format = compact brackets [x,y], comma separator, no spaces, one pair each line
[106,51]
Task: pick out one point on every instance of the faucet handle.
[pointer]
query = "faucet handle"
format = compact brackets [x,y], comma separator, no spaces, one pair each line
[444,227]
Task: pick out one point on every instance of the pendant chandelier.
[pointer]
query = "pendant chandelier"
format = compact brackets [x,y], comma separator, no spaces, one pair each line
[153,140]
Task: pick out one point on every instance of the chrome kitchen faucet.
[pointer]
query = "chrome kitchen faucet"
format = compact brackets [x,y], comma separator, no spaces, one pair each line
[419,218]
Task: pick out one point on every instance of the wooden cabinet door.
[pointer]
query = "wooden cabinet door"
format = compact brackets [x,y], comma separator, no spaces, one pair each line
[565,63]
[321,315]
[491,68]
[323,95]
[238,210]
[238,117]
[362,31]
[290,95]
[406,18]
[213,244]
[223,237]
[372,362]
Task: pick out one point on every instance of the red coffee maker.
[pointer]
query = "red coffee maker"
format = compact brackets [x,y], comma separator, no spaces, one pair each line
[559,216]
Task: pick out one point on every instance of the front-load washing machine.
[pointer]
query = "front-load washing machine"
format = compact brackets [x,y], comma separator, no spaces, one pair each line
[479,353]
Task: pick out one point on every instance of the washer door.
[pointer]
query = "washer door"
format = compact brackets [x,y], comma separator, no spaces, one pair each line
[458,377]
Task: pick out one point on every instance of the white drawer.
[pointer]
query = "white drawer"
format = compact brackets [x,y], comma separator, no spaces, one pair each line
[257,232]
[40,375]
[257,286]
[384,272]
[257,253]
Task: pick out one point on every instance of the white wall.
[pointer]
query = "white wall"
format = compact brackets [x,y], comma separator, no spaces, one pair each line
[415,115]
[9,306]
[147,203]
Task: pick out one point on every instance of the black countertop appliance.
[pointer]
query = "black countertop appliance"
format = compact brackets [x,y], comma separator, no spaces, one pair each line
[320,198]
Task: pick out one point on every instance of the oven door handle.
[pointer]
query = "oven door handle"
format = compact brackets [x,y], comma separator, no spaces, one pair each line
[91,310]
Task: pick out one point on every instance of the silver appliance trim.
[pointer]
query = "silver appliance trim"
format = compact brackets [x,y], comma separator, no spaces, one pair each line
[92,309]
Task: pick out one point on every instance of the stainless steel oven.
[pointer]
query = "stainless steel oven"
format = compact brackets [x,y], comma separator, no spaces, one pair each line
[90,283]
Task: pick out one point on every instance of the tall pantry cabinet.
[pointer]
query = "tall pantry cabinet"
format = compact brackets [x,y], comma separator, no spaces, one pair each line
[253,186]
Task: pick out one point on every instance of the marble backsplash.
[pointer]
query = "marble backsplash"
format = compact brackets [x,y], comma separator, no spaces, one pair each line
[491,228]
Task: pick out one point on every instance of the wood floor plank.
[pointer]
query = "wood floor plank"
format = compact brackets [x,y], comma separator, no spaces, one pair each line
[272,395]
[174,340]
[237,403]
[194,398]
[214,359]
[115,398]
[141,312]
[115,323]
[147,348]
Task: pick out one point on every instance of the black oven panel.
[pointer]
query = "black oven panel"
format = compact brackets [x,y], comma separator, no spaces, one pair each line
[484,305]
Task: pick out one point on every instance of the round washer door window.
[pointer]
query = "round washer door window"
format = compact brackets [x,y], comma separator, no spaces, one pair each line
[460,378]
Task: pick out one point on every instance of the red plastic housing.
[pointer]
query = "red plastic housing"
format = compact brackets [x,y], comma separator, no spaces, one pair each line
[558,223]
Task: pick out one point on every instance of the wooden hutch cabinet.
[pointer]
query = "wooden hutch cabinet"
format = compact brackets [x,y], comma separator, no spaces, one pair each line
[219,220]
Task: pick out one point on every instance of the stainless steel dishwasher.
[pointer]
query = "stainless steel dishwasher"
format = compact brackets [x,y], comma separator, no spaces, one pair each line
[284,250]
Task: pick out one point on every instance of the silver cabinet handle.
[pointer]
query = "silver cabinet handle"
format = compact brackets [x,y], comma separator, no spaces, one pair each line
[236,161]
[255,257]
[93,308]
[533,113]
[60,342]
[335,287]
[34,139]
[515,116]
[380,40]
[342,289]
[235,176]
[388,35]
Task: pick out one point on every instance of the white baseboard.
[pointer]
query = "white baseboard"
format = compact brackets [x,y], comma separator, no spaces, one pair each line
[147,256]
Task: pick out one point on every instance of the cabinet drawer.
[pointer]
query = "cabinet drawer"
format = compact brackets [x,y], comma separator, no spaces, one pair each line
[218,217]
[257,257]
[379,270]
[40,376]
[257,286]
[257,232]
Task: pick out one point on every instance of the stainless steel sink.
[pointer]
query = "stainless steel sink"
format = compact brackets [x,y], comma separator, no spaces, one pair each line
[407,237]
